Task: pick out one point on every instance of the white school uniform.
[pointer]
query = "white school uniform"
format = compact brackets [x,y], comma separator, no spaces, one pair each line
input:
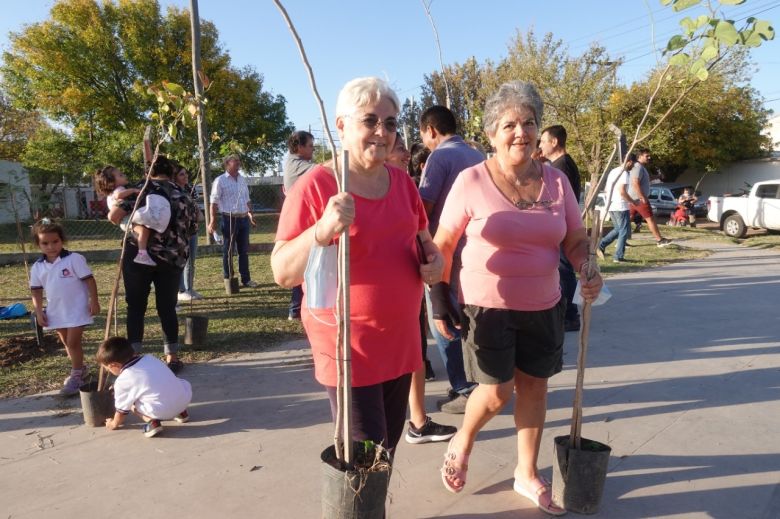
[151,386]
[67,295]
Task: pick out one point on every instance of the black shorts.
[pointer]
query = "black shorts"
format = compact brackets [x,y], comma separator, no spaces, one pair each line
[497,341]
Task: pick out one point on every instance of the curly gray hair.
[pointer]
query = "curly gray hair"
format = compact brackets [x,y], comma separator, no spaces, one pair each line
[512,95]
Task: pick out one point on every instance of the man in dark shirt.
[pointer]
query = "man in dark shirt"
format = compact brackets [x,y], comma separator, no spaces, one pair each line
[300,145]
[553,146]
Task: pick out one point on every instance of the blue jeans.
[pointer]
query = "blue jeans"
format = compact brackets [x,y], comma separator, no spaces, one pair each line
[296,298]
[568,286]
[451,351]
[235,231]
[186,282]
[621,229]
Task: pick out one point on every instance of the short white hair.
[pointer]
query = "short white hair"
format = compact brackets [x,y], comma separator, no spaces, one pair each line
[364,91]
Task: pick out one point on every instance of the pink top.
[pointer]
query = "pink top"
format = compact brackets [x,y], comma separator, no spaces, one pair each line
[386,288]
[511,256]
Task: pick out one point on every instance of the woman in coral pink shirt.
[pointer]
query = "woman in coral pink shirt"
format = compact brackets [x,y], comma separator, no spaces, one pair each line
[385,215]
[515,213]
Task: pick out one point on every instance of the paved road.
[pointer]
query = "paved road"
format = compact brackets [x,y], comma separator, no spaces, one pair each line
[683,382]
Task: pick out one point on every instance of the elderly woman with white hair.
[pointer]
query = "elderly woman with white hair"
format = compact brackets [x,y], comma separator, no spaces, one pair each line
[515,212]
[384,214]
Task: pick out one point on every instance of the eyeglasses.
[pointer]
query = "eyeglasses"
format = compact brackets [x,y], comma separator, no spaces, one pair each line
[524,205]
[372,122]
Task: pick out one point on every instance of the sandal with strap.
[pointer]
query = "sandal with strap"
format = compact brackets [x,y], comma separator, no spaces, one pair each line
[540,494]
[454,469]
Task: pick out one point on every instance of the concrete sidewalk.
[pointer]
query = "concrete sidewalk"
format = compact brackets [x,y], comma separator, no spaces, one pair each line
[683,382]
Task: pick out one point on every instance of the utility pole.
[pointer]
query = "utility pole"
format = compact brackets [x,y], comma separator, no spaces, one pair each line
[197,81]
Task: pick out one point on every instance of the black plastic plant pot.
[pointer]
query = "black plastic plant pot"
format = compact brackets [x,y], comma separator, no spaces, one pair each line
[231,286]
[96,405]
[357,492]
[195,329]
[579,475]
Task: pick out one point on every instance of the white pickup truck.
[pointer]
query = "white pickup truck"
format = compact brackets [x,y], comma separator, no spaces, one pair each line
[760,209]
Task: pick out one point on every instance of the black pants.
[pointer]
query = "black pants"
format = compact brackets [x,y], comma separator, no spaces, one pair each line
[138,283]
[378,411]
[568,286]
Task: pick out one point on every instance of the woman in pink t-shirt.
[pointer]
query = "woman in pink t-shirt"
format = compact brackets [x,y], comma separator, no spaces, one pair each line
[384,215]
[515,214]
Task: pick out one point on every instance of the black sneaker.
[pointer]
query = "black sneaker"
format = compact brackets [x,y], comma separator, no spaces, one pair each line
[430,432]
[175,366]
[663,242]
[152,428]
[429,373]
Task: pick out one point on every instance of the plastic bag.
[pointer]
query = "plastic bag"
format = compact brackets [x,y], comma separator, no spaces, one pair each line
[321,277]
[603,297]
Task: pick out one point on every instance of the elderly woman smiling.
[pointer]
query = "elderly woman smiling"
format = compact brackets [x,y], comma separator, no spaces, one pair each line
[384,215]
[515,213]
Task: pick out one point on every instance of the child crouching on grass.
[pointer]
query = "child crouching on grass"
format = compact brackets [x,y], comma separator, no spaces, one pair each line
[71,296]
[144,386]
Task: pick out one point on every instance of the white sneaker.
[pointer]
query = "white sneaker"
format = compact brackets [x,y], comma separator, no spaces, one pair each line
[143,258]
[186,296]
[195,294]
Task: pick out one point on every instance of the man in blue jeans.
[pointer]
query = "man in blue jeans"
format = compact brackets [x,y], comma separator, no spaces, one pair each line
[232,208]
[616,189]
[449,156]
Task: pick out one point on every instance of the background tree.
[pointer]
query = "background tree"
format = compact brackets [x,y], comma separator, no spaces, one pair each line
[409,119]
[16,128]
[576,89]
[87,67]
[719,122]
[467,94]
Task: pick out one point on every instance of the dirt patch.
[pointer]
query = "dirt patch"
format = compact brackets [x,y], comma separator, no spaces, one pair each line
[21,348]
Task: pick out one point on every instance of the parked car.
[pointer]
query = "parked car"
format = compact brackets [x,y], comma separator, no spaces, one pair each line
[760,208]
[663,199]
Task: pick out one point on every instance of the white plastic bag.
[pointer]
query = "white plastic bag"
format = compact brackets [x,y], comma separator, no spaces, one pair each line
[321,277]
[603,297]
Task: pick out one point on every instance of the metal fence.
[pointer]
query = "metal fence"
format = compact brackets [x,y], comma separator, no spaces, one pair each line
[87,228]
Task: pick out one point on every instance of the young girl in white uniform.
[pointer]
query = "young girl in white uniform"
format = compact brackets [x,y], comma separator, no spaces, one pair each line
[71,296]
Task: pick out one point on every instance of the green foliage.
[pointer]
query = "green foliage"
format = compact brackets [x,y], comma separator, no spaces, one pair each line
[88,67]
[409,119]
[717,122]
[575,90]
[467,95]
[52,156]
[708,37]
[16,127]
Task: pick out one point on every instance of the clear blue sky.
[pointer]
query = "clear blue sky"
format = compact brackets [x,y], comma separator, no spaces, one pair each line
[393,39]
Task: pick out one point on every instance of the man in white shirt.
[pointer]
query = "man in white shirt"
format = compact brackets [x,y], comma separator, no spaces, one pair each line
[619,203]
[231,206]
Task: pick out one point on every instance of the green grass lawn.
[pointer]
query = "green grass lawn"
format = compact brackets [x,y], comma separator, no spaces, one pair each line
[256,318]
[249,321]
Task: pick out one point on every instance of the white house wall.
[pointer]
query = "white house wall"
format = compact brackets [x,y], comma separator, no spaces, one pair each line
[733,177]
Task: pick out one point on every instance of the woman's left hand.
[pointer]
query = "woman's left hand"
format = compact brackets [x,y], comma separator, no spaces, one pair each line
[590,288]
[432,271]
